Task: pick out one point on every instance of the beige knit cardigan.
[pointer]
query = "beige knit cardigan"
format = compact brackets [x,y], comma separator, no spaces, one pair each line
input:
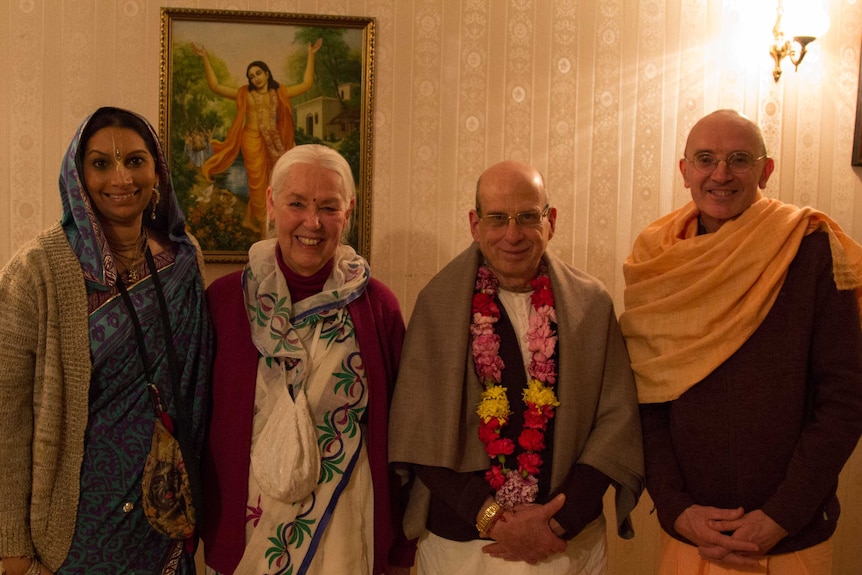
[44,396]
[44,385]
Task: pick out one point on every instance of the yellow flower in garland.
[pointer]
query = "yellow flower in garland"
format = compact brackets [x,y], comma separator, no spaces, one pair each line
[494,404]
[538,395]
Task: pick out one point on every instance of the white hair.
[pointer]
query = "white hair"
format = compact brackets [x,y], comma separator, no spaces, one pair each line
[318,155]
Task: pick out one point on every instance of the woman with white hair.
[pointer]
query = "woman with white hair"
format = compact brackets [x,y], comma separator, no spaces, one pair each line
[307,354]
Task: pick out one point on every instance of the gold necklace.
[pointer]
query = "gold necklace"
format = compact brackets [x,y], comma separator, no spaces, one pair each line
[131,263]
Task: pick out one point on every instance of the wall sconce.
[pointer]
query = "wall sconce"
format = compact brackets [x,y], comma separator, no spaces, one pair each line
[802,25]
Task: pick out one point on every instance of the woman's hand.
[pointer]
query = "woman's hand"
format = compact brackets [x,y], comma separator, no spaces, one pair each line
[16,565]
[20,566]
[313,48]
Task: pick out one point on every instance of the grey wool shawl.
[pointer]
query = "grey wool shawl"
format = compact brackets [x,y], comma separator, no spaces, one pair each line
[434,420]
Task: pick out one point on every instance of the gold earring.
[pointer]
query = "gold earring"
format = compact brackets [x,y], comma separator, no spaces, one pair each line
[156,196]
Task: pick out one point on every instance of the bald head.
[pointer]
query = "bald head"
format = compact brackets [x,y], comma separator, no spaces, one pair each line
[509,175]
[726,120]
[720,190]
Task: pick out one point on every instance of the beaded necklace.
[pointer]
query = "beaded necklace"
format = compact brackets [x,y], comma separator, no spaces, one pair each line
[130,263]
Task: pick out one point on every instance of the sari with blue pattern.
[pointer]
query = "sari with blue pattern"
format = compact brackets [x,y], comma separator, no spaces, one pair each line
[112,535]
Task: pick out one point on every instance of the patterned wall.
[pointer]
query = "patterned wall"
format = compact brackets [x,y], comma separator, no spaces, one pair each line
[599,94]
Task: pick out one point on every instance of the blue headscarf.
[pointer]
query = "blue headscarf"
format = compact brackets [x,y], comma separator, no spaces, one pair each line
[82,225]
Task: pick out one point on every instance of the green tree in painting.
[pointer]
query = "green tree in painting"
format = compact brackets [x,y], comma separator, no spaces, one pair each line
[336,63]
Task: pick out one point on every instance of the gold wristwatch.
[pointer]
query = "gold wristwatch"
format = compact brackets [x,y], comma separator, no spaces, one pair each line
[488,518]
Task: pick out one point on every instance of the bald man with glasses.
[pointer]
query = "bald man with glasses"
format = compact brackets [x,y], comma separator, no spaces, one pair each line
[515,407]
[742,323]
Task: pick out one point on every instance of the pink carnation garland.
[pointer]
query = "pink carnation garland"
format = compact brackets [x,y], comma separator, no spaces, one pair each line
[514,486]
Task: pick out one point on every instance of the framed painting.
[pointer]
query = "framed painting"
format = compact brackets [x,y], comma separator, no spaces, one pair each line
[237,90]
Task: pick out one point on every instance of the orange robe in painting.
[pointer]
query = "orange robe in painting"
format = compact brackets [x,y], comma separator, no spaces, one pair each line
[258,160]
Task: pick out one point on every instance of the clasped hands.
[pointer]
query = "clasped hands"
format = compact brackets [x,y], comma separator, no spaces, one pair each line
[524,533]
[729,536]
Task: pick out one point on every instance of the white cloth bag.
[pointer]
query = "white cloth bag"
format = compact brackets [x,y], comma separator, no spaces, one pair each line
[285,458]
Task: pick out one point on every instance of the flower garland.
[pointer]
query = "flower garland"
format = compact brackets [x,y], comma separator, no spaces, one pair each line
[267,121]
[514,486]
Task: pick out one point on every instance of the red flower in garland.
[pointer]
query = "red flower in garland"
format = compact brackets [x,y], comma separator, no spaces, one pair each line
[530,462]
[489,430]
[495,477]
[485,305]
[497,447]
[535,419]
[531,439]
[542,294]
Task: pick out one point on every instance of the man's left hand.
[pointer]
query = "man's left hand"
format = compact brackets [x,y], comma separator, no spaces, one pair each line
[524,534]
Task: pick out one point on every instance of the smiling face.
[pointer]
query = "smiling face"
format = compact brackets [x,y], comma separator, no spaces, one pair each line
[512,251]
[119,174]
[310,215]
[723,195]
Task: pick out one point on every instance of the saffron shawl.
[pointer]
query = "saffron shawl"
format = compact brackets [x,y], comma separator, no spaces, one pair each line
[433,419]
[679,326]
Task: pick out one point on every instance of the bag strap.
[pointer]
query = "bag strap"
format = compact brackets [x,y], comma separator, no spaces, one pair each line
[183,422]
[139,333]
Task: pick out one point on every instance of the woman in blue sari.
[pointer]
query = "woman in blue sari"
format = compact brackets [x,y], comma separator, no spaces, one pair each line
[76,415]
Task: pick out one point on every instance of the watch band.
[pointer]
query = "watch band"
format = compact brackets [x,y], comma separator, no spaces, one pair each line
[489,516]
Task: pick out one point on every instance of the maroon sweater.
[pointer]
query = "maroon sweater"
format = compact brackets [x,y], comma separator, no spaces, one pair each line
[379,333]
[772,426]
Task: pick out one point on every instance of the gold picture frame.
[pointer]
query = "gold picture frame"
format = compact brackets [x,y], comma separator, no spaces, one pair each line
[201,125]
[857,134]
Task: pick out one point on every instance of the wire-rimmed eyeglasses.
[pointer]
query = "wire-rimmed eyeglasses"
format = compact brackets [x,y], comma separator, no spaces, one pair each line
[528,219]
[737,162]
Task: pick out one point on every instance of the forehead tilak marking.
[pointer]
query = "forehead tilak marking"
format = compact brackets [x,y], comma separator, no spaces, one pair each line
[117,154]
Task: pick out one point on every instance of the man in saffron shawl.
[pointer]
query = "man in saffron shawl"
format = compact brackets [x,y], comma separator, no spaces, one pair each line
[515,404]
[742,323]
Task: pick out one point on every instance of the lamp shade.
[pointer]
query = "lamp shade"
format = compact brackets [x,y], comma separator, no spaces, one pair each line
[804,18]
